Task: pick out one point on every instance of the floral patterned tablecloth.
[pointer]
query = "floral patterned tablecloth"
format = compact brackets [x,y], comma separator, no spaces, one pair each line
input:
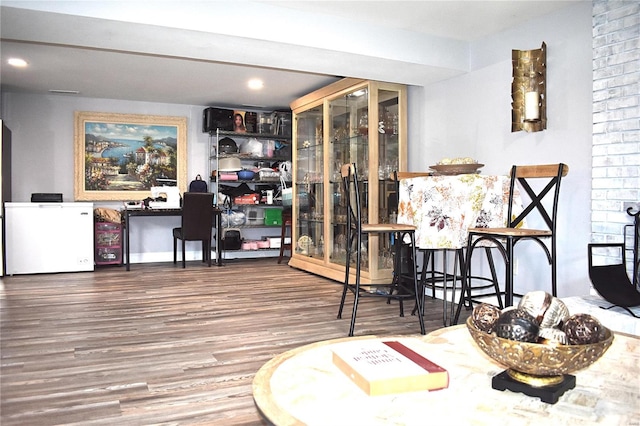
[443,208]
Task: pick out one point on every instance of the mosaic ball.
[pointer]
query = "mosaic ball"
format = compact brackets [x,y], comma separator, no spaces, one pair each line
[484,317]
[552,336]
[582,329]
[536,303]
[556,314]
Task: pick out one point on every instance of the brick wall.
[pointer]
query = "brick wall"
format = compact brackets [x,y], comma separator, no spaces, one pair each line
[616,119]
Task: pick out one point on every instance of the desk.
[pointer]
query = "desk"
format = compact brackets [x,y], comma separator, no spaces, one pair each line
[303,386]
[128,213]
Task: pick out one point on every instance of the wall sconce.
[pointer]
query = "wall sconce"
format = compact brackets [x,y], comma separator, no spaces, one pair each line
[529,90]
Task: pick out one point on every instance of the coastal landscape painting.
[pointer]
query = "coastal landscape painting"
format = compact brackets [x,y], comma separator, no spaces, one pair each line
[121,156]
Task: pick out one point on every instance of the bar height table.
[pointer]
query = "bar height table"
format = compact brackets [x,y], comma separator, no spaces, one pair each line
[444,207]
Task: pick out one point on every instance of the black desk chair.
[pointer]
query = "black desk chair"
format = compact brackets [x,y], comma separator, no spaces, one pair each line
[399,288]
[197,224]
[505,239]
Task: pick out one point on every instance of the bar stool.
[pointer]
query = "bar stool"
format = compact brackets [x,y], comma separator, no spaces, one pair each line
[404,284]
[505,238]
[286,223]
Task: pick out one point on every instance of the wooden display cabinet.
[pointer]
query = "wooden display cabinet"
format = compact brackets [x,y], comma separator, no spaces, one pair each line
[350,121]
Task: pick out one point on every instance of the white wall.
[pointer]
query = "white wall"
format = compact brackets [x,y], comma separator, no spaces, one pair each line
[470,115]
[43,156]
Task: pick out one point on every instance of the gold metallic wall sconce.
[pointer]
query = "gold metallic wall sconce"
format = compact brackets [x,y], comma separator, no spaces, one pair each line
[529,90]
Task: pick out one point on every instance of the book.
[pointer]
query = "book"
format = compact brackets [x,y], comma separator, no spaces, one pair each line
[387,367]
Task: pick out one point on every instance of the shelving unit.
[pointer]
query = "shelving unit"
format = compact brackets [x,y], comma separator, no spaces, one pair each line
[276,149]
[350,121]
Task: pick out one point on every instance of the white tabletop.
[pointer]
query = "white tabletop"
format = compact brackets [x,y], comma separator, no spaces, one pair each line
[303,386]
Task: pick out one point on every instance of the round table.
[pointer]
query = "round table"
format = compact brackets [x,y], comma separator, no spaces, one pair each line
[303,386]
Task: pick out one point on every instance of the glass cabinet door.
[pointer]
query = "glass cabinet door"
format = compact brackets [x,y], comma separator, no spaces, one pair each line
[309,187]
[388,154]
[349,137]
[388,162]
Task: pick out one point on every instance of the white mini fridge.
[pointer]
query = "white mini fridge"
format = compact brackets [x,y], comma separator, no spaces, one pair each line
[48,237]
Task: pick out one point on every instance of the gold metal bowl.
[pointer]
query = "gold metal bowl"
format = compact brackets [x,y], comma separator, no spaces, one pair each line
[456,169]
[536,363]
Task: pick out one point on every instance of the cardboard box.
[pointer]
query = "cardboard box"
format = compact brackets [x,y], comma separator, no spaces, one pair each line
[247,199]
[387,367]
[275,242]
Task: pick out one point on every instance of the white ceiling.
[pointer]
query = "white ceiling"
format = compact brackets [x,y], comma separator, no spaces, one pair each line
[122,50]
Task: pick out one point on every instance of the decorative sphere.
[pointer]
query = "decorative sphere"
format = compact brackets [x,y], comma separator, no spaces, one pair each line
[485,316]
[552,336]
[556,314]
[536,303]
[517,324]
[582,329]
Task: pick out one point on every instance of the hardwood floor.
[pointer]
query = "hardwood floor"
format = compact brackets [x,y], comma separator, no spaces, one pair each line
[165,345]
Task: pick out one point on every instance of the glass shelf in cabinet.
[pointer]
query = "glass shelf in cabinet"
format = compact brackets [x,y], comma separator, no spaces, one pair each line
[303,218]
[306,145]
[350,140]
[309,181]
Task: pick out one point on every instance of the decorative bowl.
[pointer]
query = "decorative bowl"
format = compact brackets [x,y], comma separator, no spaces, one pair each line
[229,164]
[537,363]
[246,174]
[456,169]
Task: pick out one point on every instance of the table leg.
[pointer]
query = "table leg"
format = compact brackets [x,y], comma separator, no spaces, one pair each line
[126,240]
[445,280]
[509,274]
[448,317]
[219,239]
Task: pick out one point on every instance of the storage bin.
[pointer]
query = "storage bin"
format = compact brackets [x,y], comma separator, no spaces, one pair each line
[255,215]
[107,239]
[107,226]
[108,255]
[273,217]
[276,242]
[108,243]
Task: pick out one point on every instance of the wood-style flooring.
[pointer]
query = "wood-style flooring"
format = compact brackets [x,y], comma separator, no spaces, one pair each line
[165,345]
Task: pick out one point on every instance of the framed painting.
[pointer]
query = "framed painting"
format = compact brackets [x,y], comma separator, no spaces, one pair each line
[121,156]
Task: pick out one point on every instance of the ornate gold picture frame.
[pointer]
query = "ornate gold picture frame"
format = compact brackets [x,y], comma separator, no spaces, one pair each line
[121,156]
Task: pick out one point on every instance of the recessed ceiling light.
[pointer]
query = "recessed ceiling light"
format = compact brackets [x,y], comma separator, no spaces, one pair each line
[255,84]
[17,62]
